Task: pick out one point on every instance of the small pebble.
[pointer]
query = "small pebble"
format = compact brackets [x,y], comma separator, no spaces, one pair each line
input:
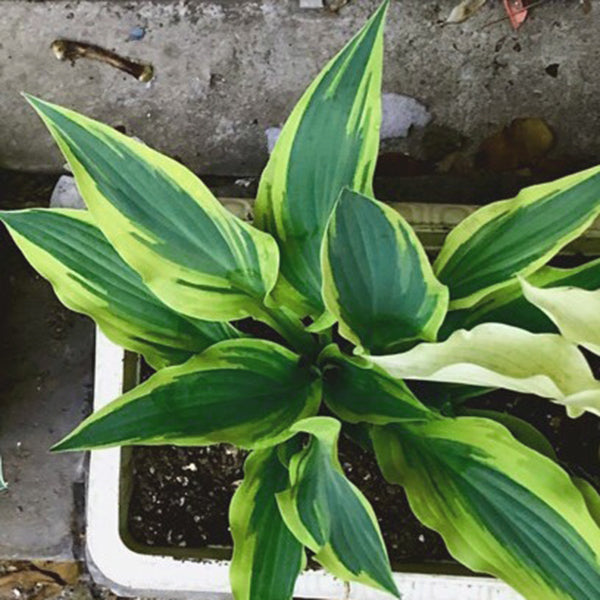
[136,34]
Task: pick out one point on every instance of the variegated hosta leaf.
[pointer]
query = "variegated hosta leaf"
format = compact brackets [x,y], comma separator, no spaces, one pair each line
[576,312]
[267,558]
[329,515]
[330,141]
[377,279]
[516,237]
[89,277]
[590,495]
[495,355]
[521,430]
[528,435]
[357,391]
[243,392]
[501,508]
[509,306]
[192,253]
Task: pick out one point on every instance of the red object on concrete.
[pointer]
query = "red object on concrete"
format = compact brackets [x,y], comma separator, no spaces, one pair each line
[516,11]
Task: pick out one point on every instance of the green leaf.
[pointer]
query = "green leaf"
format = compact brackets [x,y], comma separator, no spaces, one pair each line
[522,431]
[377,279]
[194,255]
[243,392]
[509,306]
[330,141]
[267,558]
[446,397]
[329,515]
[501,508]
[575,312]
[591,497]
[359,434]
[89,277]
[495,355]
[516,237]
[357,391]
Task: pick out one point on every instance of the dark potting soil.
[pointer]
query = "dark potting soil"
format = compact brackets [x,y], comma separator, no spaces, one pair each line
[181,499]
[180,496]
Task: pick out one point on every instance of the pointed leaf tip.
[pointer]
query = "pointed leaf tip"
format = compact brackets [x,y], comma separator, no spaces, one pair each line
[64,446]
[34,101]
[303,180]
[324,510]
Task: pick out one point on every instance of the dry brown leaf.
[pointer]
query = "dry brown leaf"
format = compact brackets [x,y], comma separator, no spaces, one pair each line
[48,591]
[521,144]
[23,579]
[68,572]
[31,584]
[464,10]
[38,580]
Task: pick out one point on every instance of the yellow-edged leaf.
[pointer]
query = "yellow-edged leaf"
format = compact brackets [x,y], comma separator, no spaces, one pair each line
[502,508]
[89,277]
[330,141]
[495,355]
[500,241]
[165,223]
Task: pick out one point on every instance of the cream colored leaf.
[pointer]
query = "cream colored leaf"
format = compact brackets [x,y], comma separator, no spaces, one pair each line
[496,355]
[464,10]
[576,312]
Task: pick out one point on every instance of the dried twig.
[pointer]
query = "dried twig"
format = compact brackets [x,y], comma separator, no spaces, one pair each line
[71,50]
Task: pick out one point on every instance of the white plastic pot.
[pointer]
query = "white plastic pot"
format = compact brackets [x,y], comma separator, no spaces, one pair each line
[136,571]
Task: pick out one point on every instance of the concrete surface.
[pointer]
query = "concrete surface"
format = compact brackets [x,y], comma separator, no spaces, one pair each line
[45,390]
[228,70]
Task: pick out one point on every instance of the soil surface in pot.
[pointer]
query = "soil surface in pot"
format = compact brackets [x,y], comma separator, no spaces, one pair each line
[180,496]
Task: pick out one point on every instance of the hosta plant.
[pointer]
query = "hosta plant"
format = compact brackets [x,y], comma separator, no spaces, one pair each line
[361,313]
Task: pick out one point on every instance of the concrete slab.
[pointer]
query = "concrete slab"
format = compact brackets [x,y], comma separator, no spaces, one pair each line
[45,390]
[228,70]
